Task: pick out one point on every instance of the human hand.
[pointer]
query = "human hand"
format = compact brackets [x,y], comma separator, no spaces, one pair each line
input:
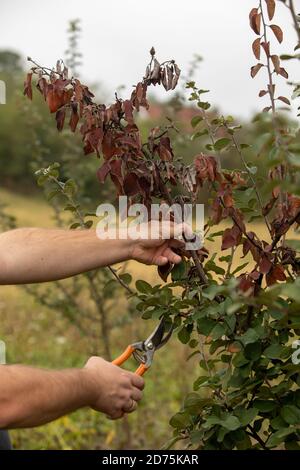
[114,391]
[156,242]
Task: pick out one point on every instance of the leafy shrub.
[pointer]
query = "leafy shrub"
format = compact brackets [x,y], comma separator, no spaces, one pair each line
[237,310]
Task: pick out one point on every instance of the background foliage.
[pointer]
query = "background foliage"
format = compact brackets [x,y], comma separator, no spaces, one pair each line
[235,304]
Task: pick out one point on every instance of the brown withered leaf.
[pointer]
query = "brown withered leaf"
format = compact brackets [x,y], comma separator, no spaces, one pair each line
[228,199]
[255,19]
[217,211]
[176,76]
[284,100]
[164,149]
[265,265]
[128,110]
[271,6]
[255,275]
[255,69]
[155,74]
[164,78]
[276,62]
[277,32]
[28,86]
[231,237]
[164,271]
[275,274]
[116,175]
[74,118]
[60,119]
[42,86]
[246,284]
[278,273]
[57,97]
[269,206]
[283,73]
[170,70]
[266,47]
[258,22]
[256,48]
[131,184]
[262,93]
[103,171]
[93,139]
[234,347]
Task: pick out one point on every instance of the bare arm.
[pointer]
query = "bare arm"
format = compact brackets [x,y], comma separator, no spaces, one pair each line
[37,255]
[29,255]
[31,397]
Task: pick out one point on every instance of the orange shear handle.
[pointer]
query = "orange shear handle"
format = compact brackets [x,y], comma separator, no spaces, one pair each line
[126,355]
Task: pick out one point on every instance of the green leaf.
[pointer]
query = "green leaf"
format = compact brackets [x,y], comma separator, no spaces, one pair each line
[52,194]
[70,187]
[218,331]
[42,180]
[178,272]
[180,420]
[252,351]
[184,335]
[205,325]
[88,224]
[231,423]
[279,436]
[143,287]
[264,405]
[199,134]
[251,336]
[246,416]
[75,225]
[239,268]
[203,105]
[290,414]
[222,143]
[169,444]
[211,266]
[195,120]
[274,351]
[126,277]
[201,381]
[295,244]
[292,445]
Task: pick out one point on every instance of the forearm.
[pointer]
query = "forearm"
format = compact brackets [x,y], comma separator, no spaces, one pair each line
[31,397]
[39,255]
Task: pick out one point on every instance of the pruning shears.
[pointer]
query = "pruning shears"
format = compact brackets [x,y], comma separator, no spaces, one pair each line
[143,351]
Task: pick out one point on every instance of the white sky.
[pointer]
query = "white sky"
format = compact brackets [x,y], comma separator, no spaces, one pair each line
[117,35]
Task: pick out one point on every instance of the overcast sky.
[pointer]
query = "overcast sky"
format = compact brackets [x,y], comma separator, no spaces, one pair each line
[117,35]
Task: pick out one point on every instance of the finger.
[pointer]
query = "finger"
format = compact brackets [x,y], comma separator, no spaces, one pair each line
[130,406]
[171,230]
[160,260]
[136,394]
[172,256]
[137,381]
[117,415]
[175,243]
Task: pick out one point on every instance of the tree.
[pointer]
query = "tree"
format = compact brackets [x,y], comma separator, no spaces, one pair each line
[239,310]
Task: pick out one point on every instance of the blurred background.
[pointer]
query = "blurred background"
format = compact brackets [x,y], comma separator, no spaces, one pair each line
[107,45]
